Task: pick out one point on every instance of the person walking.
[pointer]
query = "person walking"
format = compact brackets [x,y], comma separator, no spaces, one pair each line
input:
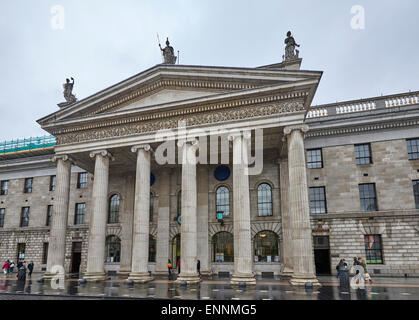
[367,276]
[170,267]
[30,268]
[21,272]
[6,267]
[11,266]
[178,266]
[198,266]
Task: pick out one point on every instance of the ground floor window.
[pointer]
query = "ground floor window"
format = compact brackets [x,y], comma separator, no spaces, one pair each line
[152,248]
[373,249]
[223,247]
[45,253]
[113,249]
[266,247]
[21,251]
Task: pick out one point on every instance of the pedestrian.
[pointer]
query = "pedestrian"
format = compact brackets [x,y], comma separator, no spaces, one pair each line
[198,267]
[21,272]
[11,266]
[6,267]
[19,264]
[366,275]
[338,266]
[178,266]
[170,267]
[30,268]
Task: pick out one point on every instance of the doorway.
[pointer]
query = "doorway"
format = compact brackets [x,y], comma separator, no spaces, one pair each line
[175,250]
[322,255]
[76,257]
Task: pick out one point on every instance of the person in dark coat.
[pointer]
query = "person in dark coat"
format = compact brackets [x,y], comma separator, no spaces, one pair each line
[30,268]
[21,273]
[198,267]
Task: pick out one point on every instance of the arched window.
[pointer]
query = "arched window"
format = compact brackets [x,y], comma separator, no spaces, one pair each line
[151,248]
[264,200]
[222,200]
[113,249]
[266,247]
[151,206]
[223,247]
[179,203]
[113,209]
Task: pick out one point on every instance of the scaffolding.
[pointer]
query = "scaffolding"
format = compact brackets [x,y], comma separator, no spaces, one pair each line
[29,144]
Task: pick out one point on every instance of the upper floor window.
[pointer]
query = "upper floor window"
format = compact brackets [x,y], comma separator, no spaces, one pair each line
[52,183]
[151,206]
[49,216]
[79,214]
[416,192]
[223,201]
[363,153]
[264,200]
[24,217]
[373,249]
[82,180]
[179,203]
[28,185]
[2,212]
[413,148]
[368,197]
[113,216]
[4,189]
[113,249]
[314,159]
[318,200]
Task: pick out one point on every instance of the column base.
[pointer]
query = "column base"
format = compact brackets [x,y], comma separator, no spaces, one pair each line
[190,279]
[287,272]
[123,272]
[49,276]
[299,281]
[206,273]
[162,273]
[248,279]
[140,277]
[95,276]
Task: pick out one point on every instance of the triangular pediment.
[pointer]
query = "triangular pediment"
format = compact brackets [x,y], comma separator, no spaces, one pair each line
[175,85]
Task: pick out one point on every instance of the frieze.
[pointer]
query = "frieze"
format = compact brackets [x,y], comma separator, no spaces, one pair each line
[247,112]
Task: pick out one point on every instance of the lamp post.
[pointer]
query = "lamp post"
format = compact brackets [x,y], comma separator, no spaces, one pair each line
[220,217]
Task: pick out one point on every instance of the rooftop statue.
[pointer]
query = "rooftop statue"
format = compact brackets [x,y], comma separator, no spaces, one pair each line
[290,52]
[68,89]
[168,53]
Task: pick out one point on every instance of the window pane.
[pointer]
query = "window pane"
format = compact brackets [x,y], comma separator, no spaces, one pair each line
[363,154]
[151,209]
[152,245]
[79,214]
[373,249]
[113,249]
[314,159]
[264,200]
[4,187]
[368,197]
[413,148]
[49,215]
[113,209]
[82,180]
[2,212]
[317,200]
[266,247]
[416,192]
[52,183]
[223,201]
[28,185]
[223,249]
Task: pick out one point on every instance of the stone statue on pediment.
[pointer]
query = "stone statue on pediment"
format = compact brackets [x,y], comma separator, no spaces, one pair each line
[70,98]
[290,52]
[168,53]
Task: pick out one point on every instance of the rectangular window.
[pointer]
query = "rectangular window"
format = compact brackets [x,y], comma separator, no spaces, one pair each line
[373,249]
[21,247]
[52,183]
[24,218]
[368,197]
[4,187]
[45,253]
[318,200]
[363,153]
[416,192]
[49,216]
[82,180]
[2,211]
[413,148]
[79,214]
[28,185]
[314,159]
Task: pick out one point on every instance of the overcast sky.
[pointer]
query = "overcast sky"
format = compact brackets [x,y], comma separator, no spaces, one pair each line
[104,42]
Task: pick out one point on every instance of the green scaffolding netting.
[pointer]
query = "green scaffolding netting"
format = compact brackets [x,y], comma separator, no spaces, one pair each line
[28,144]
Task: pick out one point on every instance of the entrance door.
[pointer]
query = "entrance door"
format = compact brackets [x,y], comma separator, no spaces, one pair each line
[322,255]
[76,257]
[175,250]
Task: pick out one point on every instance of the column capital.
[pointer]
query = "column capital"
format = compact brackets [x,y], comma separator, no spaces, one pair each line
[301,127]
[64,157]
[192,141]
[246,134]
[145,147]
[103,153]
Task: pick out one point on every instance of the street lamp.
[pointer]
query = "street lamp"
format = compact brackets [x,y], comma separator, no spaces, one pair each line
[220,217]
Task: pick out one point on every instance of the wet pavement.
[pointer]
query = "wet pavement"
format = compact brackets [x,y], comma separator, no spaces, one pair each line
[213,288]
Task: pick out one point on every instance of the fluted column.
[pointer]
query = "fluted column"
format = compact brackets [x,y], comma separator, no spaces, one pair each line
[188,242]
[243,262]
[163,223]
[140,239]
[303,258]
[56,247]
[98,219]
[285,218]
[202,213]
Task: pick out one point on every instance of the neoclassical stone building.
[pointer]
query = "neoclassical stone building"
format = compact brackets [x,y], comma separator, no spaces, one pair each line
[156,168]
